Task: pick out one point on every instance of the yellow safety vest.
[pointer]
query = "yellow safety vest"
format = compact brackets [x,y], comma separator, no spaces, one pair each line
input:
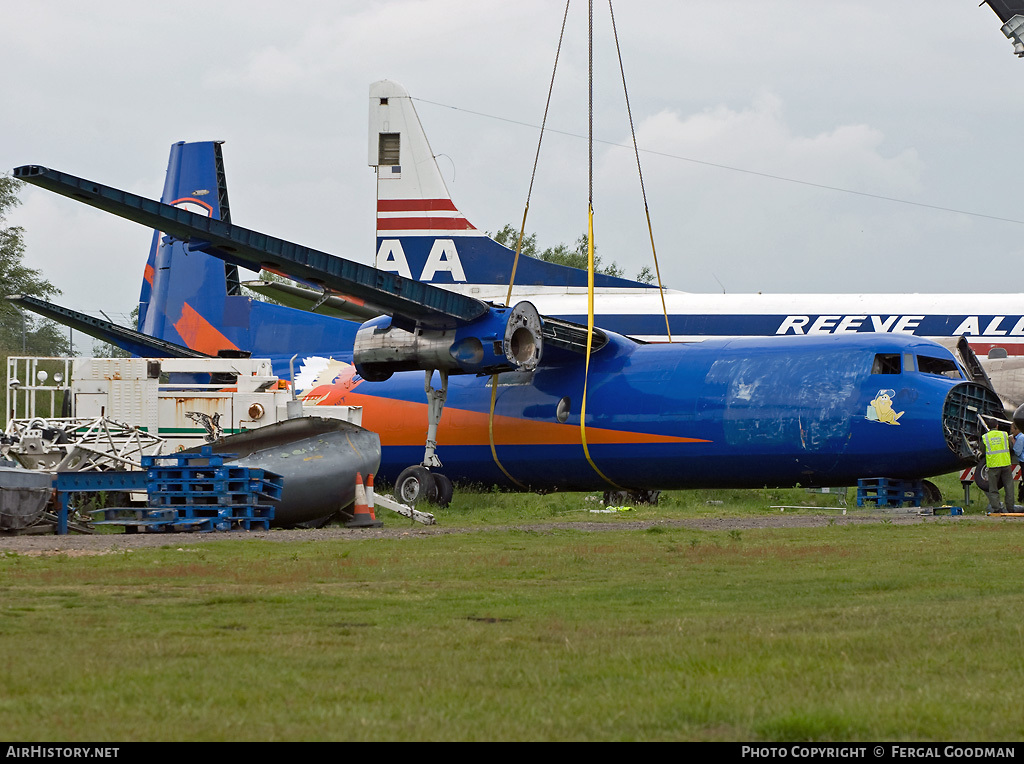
[997,448]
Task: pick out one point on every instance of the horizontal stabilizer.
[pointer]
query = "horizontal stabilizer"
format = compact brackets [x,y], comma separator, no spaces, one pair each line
[134,342]
[408,300]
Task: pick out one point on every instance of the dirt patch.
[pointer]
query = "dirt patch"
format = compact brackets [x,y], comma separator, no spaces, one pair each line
[83,545]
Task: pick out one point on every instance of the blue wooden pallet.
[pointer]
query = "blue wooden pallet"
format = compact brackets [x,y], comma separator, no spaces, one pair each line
[261,488]
[160,470]
[222,471]
[205,458]
[157,520]
[250,509]
[251,523]
[889,492]
[205,499]
[134,515]
[199,492]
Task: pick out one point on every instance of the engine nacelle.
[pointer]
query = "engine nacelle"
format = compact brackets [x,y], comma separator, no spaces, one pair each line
[505,339]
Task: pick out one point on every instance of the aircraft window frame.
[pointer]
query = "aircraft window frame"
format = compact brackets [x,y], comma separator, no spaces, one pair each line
[940,367]
[887,363]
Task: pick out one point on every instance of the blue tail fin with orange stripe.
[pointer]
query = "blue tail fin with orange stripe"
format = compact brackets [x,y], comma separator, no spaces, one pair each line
[178,288]
[195,300]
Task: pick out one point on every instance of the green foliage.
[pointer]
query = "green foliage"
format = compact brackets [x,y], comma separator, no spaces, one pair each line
[106,350]
[21,333]
[509,237]
[562,254]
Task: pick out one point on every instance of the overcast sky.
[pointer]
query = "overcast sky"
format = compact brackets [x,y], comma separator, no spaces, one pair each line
[913,101]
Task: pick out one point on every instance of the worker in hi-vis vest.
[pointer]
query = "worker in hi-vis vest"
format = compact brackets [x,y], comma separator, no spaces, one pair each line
[1000,471]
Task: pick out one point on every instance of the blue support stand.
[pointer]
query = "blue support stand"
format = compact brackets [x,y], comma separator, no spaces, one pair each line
[67,483]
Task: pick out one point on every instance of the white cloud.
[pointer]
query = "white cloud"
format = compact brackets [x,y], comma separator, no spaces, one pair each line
[855,95]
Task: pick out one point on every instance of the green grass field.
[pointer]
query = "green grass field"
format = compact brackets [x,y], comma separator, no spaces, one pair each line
[840,632]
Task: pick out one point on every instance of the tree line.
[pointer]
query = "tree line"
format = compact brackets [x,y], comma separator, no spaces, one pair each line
[22,333]
[574,256]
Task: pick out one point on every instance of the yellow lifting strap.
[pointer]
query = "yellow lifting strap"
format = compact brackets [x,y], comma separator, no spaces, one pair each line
[519,248]
[590,242]
[490,431]
[590,341]
[590,232]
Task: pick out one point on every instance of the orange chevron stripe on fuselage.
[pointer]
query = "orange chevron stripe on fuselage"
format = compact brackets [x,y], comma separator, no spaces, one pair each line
[404,423]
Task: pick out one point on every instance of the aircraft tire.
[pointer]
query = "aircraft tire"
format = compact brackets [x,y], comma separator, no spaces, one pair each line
[416,484]
[445,490]
[618,498]
[981,475]
[932,494]
[649,498]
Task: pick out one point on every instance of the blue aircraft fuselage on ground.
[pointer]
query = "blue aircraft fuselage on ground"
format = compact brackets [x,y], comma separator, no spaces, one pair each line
[810,410]
[717,413]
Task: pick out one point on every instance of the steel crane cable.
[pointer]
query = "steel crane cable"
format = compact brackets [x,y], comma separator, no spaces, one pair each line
[640,172]
[536,158]
[590,242]
[519,247]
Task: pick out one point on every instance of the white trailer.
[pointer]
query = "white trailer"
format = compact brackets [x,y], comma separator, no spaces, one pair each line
[184,401]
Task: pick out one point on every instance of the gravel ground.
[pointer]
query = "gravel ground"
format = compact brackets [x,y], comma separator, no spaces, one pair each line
[77,544]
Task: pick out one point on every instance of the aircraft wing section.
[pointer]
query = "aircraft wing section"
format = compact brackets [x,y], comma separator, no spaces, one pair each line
[134,342]
[411,302]
[556,332]
[419,326]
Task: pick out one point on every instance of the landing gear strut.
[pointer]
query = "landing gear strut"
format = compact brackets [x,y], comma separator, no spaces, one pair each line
[418,483]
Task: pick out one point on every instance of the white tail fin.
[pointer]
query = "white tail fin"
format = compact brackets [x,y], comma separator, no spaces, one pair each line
[412,198]
[420,232]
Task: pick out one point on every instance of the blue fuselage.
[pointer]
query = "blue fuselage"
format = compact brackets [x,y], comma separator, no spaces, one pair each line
[745,413]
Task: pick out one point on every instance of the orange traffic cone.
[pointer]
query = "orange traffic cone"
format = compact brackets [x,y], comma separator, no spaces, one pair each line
[369,494]
[362,514]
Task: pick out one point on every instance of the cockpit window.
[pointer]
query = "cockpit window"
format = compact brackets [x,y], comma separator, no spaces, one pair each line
[886,363]
[945,367]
